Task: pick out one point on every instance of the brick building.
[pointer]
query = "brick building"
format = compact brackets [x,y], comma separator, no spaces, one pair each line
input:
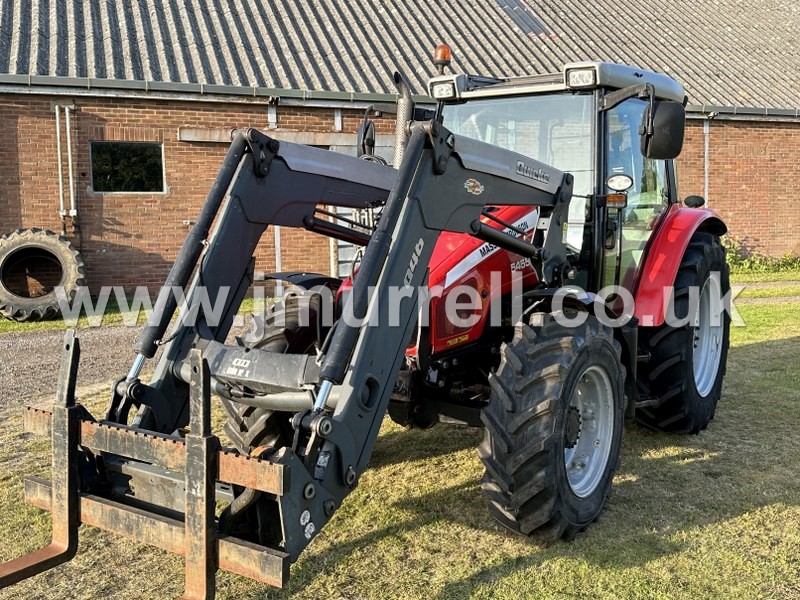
[131,238]
[175,80]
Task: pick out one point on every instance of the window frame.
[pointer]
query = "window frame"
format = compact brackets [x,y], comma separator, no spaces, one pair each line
[164,189]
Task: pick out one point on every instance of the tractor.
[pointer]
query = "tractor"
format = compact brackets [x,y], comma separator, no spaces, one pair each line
[531,271]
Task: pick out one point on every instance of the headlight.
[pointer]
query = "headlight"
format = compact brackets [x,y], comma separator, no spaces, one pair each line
[581,78]
[443,91]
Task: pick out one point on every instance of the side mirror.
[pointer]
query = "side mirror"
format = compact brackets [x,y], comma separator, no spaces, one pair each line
[665,139]
[365,142]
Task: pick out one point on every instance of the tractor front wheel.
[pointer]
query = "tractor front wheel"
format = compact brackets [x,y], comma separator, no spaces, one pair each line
[258,431]
[284,331]
[553,427]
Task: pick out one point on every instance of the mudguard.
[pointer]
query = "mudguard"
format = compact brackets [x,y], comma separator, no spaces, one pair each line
[664,258]
[304,279]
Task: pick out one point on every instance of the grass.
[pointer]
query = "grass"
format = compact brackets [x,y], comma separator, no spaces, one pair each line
[709,516]
[782,291]
[766,276]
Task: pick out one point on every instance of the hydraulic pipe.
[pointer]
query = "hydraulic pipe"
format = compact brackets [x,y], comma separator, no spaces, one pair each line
[286,401]
[335,231]
[499,238]
[190,251]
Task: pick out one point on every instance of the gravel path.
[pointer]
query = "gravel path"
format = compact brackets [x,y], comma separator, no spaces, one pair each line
[29,361]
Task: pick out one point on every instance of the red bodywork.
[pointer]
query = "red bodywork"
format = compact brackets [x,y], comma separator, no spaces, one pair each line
[462,260]
[663,257]
[459,259]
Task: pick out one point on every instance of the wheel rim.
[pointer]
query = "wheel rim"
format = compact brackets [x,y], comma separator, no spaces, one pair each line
[707,343]
[586,460]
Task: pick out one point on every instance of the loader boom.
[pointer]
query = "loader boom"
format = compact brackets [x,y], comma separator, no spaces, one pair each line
[443,184]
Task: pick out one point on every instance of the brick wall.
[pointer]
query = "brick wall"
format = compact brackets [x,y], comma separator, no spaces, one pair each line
[753,180]
[131,239]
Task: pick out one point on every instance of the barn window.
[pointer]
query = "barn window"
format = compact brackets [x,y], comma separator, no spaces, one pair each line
[127,167]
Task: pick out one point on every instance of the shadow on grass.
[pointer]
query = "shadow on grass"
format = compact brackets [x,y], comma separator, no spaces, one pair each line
[668,485]
[402,446]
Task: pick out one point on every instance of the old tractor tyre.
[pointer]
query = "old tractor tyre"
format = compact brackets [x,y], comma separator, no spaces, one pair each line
[687,362]
[249,427]
[33,263]
[553,427]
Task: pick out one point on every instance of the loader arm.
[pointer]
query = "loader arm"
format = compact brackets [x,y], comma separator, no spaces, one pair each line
[443,184]
[427,196]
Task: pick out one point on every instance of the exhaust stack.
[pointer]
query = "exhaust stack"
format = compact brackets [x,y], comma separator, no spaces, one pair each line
[405,111]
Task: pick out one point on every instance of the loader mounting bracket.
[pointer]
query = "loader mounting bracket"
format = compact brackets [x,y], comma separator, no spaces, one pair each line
[263,148]
[127,394]
[442,143]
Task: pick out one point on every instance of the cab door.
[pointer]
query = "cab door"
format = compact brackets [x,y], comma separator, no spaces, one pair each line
[629,229]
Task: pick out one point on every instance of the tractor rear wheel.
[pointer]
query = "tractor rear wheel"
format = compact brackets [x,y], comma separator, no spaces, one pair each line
[687,362]
[553,427]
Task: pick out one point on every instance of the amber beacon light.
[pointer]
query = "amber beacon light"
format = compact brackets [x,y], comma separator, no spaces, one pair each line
[442,57]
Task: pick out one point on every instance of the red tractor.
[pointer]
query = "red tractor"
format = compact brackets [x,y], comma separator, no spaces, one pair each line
[539,220]
[526,376]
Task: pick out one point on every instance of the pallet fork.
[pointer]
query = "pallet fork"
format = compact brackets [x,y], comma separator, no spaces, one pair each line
[70,426]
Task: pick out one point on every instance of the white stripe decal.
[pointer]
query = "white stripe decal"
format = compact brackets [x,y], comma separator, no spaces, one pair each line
[483,252]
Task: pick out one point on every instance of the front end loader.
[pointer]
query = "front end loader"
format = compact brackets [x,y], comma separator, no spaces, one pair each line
[550,375]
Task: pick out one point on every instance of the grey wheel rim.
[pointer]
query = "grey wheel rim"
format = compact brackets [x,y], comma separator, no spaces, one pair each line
[586,461]
[708,334]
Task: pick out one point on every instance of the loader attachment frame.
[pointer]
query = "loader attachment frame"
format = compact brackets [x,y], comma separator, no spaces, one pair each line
[443,184]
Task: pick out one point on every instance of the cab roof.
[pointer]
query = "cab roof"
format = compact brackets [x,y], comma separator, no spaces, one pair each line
[612,75]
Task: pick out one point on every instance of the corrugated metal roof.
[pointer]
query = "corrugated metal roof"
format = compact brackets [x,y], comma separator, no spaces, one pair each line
[725,52]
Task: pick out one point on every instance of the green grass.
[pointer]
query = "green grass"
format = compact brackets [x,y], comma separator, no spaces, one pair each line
[111,317]
[767,323]
[709,516]
[759,277]
[781,291]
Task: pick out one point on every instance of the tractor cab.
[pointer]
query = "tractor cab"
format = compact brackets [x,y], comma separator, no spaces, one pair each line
[615,128]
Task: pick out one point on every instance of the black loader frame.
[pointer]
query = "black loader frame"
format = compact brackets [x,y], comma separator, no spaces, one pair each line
[147,480]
